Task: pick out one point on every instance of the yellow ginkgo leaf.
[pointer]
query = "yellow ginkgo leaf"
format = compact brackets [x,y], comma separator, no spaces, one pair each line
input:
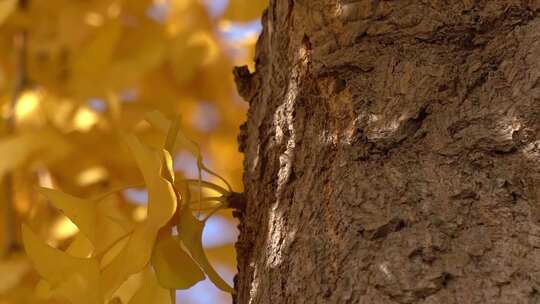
[151,291]
[81,212]
[129,287]
[245,10]
[175,269]
[91,217]
[161,207]
[161,197]
[131,259]
[6,8]
[191,235]
[80,247]
[161,123]
[76,279]
[76,288]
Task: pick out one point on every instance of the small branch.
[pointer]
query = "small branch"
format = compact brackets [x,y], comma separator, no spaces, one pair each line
[21,81]
[237,201]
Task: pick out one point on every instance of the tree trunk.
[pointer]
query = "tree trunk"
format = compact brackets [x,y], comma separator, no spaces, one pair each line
[392,153]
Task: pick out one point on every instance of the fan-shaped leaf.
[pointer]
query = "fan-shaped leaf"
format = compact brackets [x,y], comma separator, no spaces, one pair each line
[191,235]
[161,207]
[76,279]
[175,269]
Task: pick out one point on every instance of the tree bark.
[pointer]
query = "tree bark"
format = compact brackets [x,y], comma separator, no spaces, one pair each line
[392,153]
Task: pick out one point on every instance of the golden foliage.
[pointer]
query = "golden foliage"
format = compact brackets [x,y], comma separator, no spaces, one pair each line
[90,95]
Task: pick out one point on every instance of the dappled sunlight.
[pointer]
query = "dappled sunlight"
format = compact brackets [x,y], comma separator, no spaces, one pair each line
[338,9]
[85,119]
[94,19]
[508,127]
[27,104]
[253,290]
[140,213]
[383,129]
[92,175]
[285,134]
[63,229]
[532,151]
[383,267]
[275,237]
[284,121]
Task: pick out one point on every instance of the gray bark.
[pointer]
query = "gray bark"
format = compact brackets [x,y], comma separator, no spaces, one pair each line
[392,154]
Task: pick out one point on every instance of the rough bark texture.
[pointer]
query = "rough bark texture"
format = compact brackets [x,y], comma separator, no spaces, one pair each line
[392,153]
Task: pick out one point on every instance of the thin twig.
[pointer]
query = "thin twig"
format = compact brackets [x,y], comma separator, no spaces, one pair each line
[208,185]
[173,296]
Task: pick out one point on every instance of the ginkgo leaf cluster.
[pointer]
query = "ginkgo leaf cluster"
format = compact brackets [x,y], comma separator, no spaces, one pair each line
[117,251]
[86,74]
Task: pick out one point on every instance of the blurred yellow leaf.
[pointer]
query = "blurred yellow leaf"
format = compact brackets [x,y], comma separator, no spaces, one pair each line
[26,104]
[137,7]
[90,63]
[15,151]
[92,175]
[12,272]
[85,119]
[204,40]
[185,58]
[245,10]
[139,50]
[6,8]
[18,149]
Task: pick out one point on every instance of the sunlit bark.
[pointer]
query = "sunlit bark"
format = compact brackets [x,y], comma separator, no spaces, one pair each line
[392,154]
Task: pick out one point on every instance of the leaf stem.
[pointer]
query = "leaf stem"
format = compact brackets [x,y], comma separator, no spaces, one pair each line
[208,185]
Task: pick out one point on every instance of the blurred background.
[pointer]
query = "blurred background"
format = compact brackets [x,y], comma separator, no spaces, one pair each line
[75,74]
